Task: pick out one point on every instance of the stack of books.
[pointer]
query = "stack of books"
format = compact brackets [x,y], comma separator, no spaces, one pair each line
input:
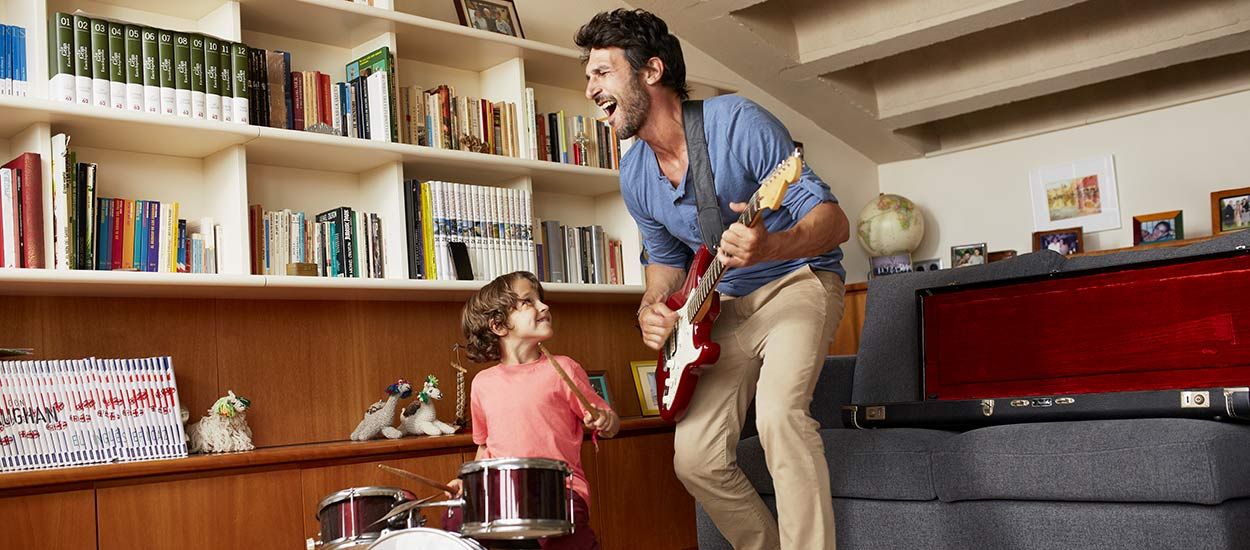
[340,242]
[13,79]
[21,212]
[492,223]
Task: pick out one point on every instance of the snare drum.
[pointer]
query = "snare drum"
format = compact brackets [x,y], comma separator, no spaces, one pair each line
[348,516]
[422,538]
[516,498]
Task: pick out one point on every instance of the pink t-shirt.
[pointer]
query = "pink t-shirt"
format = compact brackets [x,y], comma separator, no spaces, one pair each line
[527,411]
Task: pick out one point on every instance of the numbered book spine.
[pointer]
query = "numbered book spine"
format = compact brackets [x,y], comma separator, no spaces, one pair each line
[182,74]
[151,70]
[199,108]
[239,67]
[61,58]
[82,59]
[212,78]
[100,85]
[226,60]
[169,96]
[117,65]
[133,67]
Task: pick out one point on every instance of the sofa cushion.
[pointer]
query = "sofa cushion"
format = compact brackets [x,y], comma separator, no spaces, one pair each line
[1144,460]
[880,464]
[887,366]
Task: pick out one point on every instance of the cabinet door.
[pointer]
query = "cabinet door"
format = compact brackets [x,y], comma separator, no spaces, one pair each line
[51,521]
[639,502]
[257,510]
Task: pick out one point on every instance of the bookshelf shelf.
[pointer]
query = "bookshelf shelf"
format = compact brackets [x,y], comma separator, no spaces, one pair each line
[47,282]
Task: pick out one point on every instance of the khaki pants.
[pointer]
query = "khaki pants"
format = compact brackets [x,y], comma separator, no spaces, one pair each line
[773,345]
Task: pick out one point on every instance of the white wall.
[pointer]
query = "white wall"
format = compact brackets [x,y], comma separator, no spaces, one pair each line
[1171,159]
[852,176]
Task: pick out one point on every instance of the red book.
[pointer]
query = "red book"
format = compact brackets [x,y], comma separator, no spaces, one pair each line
[30,206]
[297,98]
[326,108]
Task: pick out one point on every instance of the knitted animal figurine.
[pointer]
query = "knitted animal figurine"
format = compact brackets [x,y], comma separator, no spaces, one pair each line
[419,416]
[224,429]
[382,414]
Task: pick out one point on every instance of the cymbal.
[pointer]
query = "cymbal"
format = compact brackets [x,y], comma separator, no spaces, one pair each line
[402,508]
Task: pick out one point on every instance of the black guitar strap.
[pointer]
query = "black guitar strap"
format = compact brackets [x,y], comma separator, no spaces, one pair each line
[699,174]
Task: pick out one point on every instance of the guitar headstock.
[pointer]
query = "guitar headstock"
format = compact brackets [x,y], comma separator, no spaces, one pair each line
[773,188]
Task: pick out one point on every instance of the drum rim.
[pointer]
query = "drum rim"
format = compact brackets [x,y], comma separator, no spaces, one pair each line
[515,464]
[369,491]
[508,529]
[445,534]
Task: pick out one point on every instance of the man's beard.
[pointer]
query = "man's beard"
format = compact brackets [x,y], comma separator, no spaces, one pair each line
[632,108]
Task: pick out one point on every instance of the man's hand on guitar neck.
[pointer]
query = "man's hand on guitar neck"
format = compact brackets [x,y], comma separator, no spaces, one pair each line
[741,246]
[656,322]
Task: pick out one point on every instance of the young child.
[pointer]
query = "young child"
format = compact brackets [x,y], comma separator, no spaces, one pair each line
[521,407]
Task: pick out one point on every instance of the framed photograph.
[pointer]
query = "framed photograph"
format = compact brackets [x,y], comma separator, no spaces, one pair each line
[968,254]
[599,382]
[1000,255]
[1230,210]
[644,382]
[1075,194]
[799,145]
[932,264]
[1157,228]
[1064,241]
[888,265]
[490,15]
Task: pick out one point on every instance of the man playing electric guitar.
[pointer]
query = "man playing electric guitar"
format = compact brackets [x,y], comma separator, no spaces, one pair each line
[781,296]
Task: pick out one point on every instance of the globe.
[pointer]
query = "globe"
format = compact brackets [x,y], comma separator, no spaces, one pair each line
[890,225]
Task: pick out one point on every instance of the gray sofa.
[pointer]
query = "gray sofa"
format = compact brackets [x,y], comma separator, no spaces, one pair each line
[1115,484]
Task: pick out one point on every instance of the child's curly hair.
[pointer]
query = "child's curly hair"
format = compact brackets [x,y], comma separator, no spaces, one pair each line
[488,308]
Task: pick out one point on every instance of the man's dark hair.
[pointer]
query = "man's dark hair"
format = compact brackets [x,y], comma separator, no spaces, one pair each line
[642,36]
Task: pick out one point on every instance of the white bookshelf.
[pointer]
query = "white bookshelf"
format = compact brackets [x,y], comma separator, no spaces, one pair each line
[217,169]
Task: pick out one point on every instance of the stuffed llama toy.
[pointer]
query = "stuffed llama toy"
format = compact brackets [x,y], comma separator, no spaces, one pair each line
[419,416]
[382,414]
[224,429]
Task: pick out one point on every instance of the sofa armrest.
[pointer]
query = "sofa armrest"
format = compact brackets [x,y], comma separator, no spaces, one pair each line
[833,390]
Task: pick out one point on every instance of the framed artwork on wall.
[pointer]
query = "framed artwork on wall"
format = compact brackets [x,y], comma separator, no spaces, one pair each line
[644,383]
[1080,193]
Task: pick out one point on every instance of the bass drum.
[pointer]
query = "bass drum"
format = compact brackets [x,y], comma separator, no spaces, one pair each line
[424,538]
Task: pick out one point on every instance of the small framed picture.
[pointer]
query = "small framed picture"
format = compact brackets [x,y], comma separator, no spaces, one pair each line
[1157,228]
[599,382]
[932,264]
[889,265]
[1230,210]
[1000,255]
[490,15]
[965,255]
[799,145]
[1064,241]
[644,382]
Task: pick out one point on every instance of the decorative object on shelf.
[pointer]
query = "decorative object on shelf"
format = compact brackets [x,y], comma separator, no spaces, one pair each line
[16,352]
[644,383]
[490,15]
[1080,193]
[224,429]
[461,420]
[1066,241]
[1230,210]
[381,415]
[968,254]
[599,382]
[889,225]
[474,144]
[419,417]
[1158,227]
[1000,255]
[889,265]
[305,269]
[932,264]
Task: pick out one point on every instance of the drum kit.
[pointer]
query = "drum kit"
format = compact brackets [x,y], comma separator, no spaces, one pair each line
[503,499]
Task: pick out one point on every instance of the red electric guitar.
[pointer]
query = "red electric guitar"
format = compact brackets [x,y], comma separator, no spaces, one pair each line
[697,304]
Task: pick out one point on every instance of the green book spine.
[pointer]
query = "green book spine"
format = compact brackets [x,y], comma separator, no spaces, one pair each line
[82,59]
[227,81]
[151,70]
[212,78]
[198,108]
[165,49]
[134,68]
[238,65]
[117,65]
[61,58]
[182,74]
[100,63]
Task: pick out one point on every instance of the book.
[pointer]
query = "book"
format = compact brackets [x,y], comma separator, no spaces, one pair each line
[100,85]
[9,216]
[151,70]
[279,74]
[82,60]
[117,64]
[225,61]
[134,67]
[60,200]
[182,74]
[165,70]
[61,85]
[199,105]
[30,175]
[212,78]
[238,67]
[381,61]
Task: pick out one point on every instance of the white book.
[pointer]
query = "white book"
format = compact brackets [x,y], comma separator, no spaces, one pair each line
[379,111]
[336,110]
[169,400]
[57,422]
[77,430]
[531,131]
[8,217]
[163,238]
[146,398]
[60,201]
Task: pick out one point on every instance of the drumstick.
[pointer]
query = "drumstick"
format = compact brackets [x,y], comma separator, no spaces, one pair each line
[581,398]
[422,479]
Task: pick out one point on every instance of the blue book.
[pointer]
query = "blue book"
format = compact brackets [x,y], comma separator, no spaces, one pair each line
[19,62]
[153,255]
[141,235]
[182,246]
[104,232]
[6,71]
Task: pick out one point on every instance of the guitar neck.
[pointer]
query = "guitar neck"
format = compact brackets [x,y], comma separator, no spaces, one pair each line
[716,269]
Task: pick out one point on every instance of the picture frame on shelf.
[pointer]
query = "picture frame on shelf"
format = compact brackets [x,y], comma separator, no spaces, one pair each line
[498,16]
[965,255]
[1158,227]
[644,383]
[1066,241]
[599,383]
[1230,210]
[1079,193]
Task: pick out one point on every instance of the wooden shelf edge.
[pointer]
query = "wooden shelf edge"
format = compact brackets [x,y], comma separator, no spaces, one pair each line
[270,456]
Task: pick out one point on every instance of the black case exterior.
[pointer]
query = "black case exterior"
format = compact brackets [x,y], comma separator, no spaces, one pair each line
[1208,404]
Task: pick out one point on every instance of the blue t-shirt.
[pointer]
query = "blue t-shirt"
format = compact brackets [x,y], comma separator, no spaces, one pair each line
[745,143]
